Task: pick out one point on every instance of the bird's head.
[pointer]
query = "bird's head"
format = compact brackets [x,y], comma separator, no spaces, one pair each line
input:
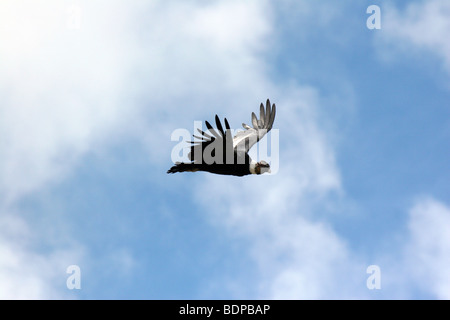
[260,167]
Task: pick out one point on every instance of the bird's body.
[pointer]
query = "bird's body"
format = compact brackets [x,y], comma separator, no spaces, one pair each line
[220,153]
[235,169]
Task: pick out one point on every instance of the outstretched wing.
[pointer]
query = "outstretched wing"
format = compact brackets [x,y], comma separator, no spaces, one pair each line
[212,147]
[244,140]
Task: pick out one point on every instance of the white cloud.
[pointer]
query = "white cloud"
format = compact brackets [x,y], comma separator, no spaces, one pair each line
[414,263]
[428,248]
[61,92]
[232,27]
[67,92]
[27,274]
[421,26]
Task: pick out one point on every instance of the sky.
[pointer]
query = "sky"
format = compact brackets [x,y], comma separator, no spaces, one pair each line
[91,92]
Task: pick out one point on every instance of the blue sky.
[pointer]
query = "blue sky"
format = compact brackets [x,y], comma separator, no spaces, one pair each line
[90,93]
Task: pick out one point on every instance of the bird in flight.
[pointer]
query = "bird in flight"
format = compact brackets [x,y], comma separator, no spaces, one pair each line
[220,153]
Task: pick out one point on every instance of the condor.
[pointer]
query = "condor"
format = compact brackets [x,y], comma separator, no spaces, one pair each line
[220,153]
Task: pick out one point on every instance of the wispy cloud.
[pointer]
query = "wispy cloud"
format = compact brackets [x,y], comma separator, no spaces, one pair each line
[26,272]
[428,248]
[419,27]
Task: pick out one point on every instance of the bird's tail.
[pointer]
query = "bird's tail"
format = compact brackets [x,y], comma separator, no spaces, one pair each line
[183,167]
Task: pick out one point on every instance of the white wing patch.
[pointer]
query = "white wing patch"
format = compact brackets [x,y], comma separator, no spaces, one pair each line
[244,140]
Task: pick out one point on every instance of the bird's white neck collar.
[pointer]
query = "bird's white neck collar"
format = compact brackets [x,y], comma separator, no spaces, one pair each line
[253,167]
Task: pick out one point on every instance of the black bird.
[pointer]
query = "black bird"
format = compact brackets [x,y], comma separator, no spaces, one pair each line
[218,152]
